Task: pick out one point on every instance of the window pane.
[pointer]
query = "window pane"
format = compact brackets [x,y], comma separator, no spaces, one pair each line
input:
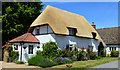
[30,49]
[115,48]
[110,48]
[37,31]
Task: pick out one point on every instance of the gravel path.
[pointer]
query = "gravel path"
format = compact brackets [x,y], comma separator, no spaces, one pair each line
[13,65]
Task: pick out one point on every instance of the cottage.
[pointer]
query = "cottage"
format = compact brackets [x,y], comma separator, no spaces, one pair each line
[65,28]
[111,38]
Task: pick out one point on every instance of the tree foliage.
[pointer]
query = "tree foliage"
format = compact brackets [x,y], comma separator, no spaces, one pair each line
[17,17]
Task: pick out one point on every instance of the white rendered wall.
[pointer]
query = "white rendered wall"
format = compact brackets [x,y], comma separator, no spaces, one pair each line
[80,42]
[25,54]
[63,40]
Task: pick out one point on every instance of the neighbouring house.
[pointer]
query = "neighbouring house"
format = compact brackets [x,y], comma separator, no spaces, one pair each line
[65,28]
[111,38]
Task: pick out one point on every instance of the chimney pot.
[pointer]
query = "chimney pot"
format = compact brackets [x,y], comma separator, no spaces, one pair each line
[94,26]
[92,23]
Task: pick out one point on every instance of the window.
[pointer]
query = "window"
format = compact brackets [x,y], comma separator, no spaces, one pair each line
[30,49]
[94,35]
[67,46]
[70,48]
[37,31]
[72,31]
[112,48]
[115,48]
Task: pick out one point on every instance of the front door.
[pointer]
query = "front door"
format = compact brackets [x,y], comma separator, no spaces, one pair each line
[100,49]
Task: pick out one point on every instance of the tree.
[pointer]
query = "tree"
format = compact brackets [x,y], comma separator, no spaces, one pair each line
[17,18]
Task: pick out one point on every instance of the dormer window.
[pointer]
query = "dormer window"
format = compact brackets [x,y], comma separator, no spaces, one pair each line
[37,31]
[94,35]
[72,31]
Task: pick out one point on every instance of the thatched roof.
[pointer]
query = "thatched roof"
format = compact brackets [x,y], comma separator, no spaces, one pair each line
[59,20]
[110,35]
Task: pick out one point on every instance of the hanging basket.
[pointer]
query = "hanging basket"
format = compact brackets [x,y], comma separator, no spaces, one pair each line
[24,47]
[38,46]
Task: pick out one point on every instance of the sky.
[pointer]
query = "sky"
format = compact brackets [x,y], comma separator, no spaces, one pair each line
[103,14]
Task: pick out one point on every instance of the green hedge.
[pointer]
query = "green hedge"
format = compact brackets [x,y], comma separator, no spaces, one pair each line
[34,60]
[114,53]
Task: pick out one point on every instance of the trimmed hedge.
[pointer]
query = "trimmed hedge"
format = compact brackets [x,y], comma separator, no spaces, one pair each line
[114,53]
[34,60]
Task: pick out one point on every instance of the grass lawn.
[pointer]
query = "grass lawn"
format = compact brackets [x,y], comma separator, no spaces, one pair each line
[89,63]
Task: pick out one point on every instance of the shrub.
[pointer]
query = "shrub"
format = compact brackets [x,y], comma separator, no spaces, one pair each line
[34,60]
[50,50]
[61,60]
[93,55]
[46,63]
[64,53]
[13,56]
[19,62]
[81,55]
[39,53]
[108,55]
[114,53]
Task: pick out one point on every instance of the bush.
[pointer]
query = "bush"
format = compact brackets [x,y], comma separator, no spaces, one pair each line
[92,55]
[61,60]
[46,63]
[13,56]
[81,55]
[114,53]
[39,53]
[34,60]
[50,50]
[19,62]
[108,55]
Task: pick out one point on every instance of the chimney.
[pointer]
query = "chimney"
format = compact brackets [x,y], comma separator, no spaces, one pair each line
[94,26]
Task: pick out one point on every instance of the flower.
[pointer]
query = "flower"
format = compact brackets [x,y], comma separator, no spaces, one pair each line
[83,47]
[72,52]
[88,45]
[91,50]
[62,58]
[84,52]
[10,46]
[2,46]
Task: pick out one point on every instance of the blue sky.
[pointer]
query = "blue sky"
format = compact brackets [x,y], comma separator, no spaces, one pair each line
[103,14]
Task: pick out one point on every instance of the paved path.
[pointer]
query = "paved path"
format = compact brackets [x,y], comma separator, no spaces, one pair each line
[113,64]
[13,65]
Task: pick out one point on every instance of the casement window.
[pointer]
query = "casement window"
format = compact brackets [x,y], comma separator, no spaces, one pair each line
[72,31]
[44,29]
[37,31]
[30,49]
[112,48]
[69,47]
